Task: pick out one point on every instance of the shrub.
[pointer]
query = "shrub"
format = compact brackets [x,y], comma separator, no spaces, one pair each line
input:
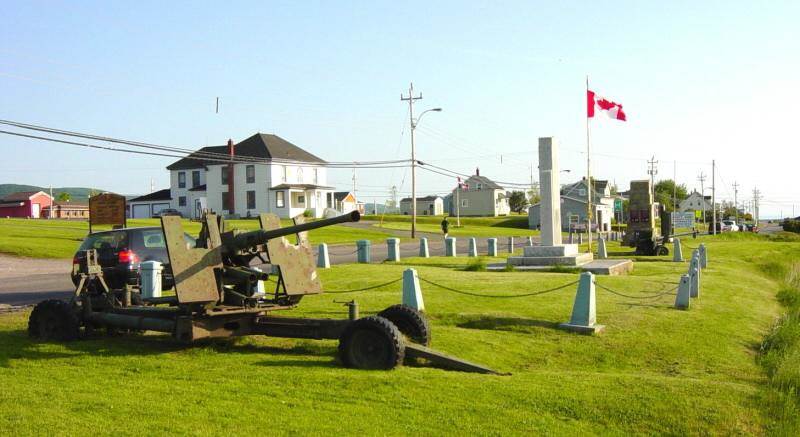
[791,225]
[477,265]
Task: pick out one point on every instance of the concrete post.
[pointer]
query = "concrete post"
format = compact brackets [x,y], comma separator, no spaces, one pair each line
[530,241]
[323,260]
[584,317]
[423,248]
[412,293]
[703,256]
[450,246]
[363,251]
[580,237]
[694,280]
[682,300]
[473,247]
[571,238]
[602,252]
[695,263]
[677,253]
[510,244]
[492,243]
[393,249]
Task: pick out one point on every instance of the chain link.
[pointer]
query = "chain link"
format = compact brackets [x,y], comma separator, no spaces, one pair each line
[468,293]
[655,296]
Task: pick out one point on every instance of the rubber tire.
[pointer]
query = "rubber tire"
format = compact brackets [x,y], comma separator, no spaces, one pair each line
[662,250]
[410,322]
[354,344]
[54,319]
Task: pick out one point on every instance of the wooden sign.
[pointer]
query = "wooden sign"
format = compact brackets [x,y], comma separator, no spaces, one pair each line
[107,209]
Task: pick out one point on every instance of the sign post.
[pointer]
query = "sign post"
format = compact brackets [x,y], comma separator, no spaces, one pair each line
[107,209]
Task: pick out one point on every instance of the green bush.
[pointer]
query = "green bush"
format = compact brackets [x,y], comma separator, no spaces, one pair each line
[791,226]
[477,265]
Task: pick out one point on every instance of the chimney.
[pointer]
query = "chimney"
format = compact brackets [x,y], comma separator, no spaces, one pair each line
[477,171]
[231,195]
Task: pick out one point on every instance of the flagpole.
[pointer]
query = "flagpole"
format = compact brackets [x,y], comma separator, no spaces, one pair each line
[588,175]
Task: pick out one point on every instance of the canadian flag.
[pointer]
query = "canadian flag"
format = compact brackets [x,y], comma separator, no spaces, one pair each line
[595,102]
[461,185]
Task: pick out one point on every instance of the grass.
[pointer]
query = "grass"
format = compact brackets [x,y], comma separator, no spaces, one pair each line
[655,370]
[61,238]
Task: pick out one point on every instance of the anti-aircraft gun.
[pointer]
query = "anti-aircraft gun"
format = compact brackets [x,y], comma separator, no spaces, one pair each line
[215,296]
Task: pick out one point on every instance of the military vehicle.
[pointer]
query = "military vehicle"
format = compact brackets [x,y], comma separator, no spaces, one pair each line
[216,297]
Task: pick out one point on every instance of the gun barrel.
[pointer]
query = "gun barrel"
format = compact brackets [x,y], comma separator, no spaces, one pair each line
[261,236]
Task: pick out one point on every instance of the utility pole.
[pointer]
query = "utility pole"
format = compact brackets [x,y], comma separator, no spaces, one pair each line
[354,184]
[702,178]
[652,170]
[714,196]
[756,206]
[411,99]
[736,201]
[394,197]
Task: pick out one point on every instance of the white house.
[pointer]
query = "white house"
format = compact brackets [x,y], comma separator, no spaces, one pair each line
[283,179]
[695,202]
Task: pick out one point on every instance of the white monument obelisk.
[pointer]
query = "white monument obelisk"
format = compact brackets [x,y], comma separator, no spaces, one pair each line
[552,250]
[550,206]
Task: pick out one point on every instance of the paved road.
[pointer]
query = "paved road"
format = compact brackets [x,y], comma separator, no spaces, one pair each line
[26,281]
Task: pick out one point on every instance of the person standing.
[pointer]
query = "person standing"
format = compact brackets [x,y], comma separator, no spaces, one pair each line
[445,226]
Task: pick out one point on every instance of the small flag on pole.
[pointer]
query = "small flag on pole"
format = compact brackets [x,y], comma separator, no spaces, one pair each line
[596,103]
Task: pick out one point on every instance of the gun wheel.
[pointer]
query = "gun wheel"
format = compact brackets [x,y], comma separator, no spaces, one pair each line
[662,250]
[410,322]
[371,343]
[53,320]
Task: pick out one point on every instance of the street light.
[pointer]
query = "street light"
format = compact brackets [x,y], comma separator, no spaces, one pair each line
[414,124]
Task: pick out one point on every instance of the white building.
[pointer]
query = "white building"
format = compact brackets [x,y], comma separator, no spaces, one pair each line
[695,202]
[428,205]
[286,181]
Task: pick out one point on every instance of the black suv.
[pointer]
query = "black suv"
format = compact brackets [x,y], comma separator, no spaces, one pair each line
[120,251]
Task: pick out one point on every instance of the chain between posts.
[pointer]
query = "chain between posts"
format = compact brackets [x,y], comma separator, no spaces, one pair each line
[468,293]
[371,287]
[655,296]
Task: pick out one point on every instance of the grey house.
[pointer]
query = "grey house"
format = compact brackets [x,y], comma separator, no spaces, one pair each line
[573,207]
[480,197]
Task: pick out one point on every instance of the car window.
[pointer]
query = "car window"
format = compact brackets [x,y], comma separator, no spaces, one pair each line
[105,241]
[153,239]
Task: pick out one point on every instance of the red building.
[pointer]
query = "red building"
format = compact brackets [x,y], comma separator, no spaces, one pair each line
[25,204]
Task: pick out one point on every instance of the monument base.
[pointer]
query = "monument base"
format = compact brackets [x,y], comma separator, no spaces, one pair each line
[574,260]
[560,250]
[582,329]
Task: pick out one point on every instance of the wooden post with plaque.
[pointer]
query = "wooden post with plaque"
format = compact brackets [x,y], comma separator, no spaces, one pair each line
[107,209]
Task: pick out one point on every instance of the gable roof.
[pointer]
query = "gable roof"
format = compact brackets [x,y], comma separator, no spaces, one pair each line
[484,181]
[341,195]
[21,195]
[423,199]
[155,195]
[264,146]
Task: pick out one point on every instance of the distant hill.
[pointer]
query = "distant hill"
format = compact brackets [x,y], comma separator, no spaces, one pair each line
[77,194]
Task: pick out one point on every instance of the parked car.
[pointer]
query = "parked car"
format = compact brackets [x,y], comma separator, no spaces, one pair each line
[750,227]
[120,251]
[729,226]
[168,211]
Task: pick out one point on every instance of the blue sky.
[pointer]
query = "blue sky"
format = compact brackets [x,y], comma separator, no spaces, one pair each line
[699,81]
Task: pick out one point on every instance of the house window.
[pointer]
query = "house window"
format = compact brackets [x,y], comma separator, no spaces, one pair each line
[182,201]
[301,200]
[224,174]
[226,201]
[250,172]
[195,178]
[316,175]
[581,192]
[251,200]
[480,185]
[465,203]
[300,175]
[283,173]
[181,179]
[279,200]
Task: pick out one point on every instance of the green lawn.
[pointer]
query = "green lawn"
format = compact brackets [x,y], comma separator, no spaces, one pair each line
[60,238]
[655,370]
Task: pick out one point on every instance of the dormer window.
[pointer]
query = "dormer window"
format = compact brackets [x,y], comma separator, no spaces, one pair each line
[480,185]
